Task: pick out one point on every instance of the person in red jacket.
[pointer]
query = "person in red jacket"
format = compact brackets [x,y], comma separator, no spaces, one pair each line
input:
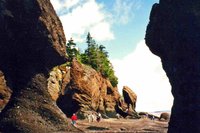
[74,118]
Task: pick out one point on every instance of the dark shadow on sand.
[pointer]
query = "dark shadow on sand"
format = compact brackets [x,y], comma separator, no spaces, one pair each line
[97,128]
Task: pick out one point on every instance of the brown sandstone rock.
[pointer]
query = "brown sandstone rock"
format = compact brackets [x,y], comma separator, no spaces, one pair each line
[54,83]
[58,79]
[173,35]
[164,116]
[32,42]
[110,96]
[87,91]
[82,93]
[130,98]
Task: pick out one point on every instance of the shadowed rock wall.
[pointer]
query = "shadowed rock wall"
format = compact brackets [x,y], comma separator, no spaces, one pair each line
[173,34]
[32,41]
[5,91]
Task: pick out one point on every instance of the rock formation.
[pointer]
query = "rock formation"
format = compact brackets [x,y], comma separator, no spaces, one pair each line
[32,43]
[130,98]
[58,79]
[5,91]
[173,35]
[164,116]
[88,91]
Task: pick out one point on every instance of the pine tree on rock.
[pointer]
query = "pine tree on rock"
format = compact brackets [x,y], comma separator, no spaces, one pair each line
[71,49]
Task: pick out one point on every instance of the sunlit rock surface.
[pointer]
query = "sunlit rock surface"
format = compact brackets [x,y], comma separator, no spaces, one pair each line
[88,91]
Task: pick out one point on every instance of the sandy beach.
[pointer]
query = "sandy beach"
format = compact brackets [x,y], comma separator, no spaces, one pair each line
[124,125]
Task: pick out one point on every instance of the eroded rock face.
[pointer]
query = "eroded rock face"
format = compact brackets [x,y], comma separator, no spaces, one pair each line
[58,79]
[173,34]
[130,98]
[87,91]
[5,91]
[109,97]
[32,43]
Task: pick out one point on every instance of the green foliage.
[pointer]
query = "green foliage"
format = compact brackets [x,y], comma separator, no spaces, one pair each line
[94,56]
[71,49]
[97,57]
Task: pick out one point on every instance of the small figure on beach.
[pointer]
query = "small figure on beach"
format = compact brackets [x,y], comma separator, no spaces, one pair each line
[147,116]
[153,117]
[74,119]
[98,117]
[91,117]
[118,116]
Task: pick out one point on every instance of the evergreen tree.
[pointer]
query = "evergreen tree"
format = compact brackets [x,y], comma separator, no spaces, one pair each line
[90,41]
[71,49]
[91,52]
[97,57]
[102,49]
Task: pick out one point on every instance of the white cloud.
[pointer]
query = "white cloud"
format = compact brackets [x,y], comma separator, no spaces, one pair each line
[56,4]
[84,16]
[142,72]
[99,34]
[124,10]
[70,3]
[60,4]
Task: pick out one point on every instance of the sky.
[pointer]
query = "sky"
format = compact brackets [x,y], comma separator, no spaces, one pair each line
[120,26]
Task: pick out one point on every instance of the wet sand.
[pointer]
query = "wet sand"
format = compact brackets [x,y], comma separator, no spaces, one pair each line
[124,125]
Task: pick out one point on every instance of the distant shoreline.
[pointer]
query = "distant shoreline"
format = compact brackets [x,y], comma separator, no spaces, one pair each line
[157,113]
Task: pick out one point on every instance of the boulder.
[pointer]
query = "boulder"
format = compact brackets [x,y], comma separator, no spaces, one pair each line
[32,43]
[173,35]
[164,116]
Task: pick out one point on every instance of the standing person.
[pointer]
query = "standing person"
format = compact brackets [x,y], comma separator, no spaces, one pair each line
[98,117]
[153,117]
[118,116]
[89,117]
[74,118]
[147,116]
[92,117]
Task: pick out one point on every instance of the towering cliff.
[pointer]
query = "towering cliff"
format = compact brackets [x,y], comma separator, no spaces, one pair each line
[173,34]
[32,42]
